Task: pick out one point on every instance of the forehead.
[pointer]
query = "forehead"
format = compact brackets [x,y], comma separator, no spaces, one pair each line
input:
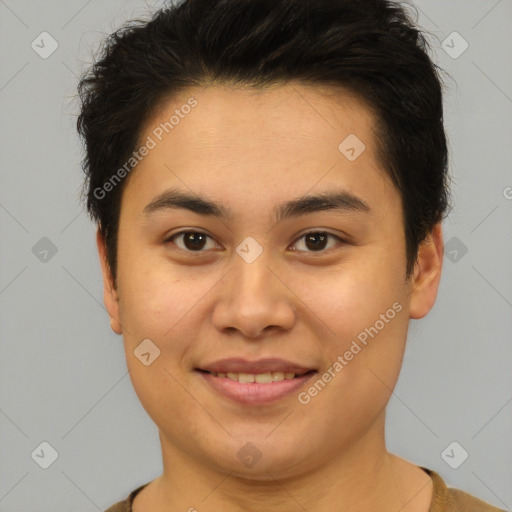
[234,141]
[281,115]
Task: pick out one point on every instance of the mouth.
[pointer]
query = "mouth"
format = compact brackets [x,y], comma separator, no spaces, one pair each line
[259,378]
[255,388]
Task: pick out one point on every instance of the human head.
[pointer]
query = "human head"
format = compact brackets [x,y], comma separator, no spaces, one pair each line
[369,48]
[255,130]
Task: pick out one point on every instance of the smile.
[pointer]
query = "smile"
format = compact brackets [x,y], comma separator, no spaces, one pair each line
[260,378]
[255,388]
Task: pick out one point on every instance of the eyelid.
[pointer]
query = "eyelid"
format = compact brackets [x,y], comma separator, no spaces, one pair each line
[169,239]
[319,231]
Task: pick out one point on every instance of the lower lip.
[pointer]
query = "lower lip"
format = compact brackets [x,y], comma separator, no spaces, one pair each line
[253,392]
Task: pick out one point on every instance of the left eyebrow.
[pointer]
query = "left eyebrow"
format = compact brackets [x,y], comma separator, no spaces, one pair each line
[341,201]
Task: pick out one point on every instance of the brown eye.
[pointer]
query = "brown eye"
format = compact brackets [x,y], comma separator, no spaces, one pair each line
[192,241]
[316,241]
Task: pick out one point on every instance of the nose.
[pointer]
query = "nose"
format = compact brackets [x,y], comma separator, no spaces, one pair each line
[253,299]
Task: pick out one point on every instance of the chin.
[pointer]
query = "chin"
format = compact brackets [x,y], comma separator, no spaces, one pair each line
[259,461]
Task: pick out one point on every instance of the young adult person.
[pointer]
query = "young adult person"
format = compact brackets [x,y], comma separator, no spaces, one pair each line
[269,179]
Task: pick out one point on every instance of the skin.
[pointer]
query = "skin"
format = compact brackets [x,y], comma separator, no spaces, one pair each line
[252,150]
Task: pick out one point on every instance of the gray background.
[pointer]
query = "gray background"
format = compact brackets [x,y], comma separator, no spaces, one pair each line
[63,376]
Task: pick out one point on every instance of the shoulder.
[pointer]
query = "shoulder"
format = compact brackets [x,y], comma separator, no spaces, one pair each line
[457,500]
[120,506]
[449,499]
[126,505]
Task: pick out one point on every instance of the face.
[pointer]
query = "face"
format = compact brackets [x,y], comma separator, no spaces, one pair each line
[314,299]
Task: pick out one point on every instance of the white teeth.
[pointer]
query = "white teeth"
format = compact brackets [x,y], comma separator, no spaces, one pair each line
[246,377]
[260,378]
[263,378]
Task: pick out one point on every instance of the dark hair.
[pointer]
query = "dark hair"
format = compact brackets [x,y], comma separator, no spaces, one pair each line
[369,47]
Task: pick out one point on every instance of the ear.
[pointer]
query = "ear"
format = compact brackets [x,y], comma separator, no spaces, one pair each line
[109,292]
[427,273]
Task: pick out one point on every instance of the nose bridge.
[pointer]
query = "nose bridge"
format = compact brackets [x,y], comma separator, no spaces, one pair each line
[251,273]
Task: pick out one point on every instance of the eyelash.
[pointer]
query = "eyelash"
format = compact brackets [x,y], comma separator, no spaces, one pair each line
[176,235]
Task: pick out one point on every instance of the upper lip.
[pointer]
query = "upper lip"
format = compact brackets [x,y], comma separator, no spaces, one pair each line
[241,365]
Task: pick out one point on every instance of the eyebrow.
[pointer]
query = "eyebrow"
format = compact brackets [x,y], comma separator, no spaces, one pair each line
[339,200]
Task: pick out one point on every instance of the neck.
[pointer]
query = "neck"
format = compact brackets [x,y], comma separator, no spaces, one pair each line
[364,477]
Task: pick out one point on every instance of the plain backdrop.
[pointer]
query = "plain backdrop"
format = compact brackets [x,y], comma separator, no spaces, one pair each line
[63,376]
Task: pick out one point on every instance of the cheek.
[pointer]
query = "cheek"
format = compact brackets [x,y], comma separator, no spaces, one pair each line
[160,306]
[155,296]
[352,296]
[363,358]
[364,304]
